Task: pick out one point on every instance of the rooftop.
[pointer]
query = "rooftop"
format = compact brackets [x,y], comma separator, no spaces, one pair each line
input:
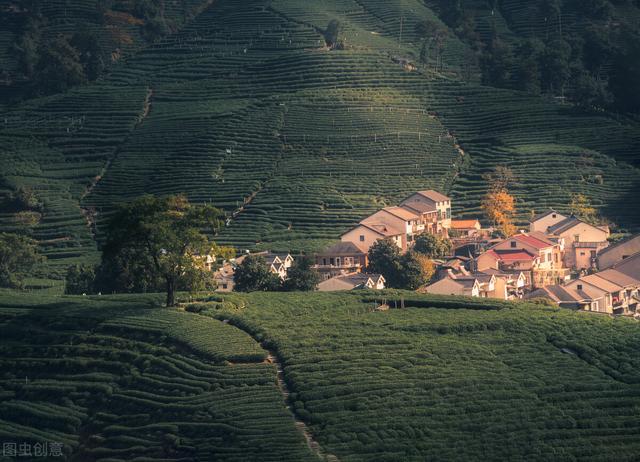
[434,195]
[342,248]
[464,224]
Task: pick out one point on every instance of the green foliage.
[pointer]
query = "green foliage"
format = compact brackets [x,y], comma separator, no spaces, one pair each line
[253,274]
[59,67]
[152,383]
[414,273]
[433,246]
[18,258]
[164,235]
[80,279]
[384,259]
[332,33]
[301,275]
[359,376]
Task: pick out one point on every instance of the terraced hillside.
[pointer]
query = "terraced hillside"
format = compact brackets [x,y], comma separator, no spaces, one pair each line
[447,379]
[118,379]
[247,108]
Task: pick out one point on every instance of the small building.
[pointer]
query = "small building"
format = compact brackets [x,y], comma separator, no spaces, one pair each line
[466,228]
[341,258]
[448,286]
[581,297]
[353,281]
[617,252]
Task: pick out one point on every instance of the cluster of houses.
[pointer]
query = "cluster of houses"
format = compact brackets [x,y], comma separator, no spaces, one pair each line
[560,258]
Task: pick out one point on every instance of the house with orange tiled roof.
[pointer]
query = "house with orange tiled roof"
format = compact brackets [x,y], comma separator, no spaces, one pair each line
[467,228]
[539,257]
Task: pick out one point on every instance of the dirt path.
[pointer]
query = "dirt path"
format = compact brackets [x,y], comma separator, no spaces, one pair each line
[90,213]
[301,426]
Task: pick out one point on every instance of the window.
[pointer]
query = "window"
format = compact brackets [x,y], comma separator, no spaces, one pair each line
[448,213]
[338,261]
[582,254]
[324,261]
[514,244]
[332,261]
[554,215]
[579,286]
[576,238]
[225,285]
[362,238]
[593,254]
[555,257]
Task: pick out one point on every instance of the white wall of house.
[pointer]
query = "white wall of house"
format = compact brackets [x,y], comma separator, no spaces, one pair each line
[543,223]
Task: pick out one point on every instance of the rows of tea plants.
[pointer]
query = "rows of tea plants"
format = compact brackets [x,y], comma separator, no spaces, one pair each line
[420,383]
[554,150]
[57,146]
[116,379]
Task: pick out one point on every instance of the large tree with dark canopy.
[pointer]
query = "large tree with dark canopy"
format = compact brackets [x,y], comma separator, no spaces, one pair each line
[163,237]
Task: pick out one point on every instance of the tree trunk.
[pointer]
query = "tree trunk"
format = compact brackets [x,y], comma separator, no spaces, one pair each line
[171,292]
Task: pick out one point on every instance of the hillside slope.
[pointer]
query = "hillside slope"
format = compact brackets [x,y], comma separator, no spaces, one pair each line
[116,378]
[247,108]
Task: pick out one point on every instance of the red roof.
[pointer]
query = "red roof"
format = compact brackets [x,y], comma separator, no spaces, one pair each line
[532,241]
[512,255]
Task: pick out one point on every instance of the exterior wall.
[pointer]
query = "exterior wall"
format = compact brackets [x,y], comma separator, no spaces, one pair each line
[443,209]
[543,223]
[370,237]
[448,286]
[382,216]
[619,253]
[486,261]
[581,233]
[500,289]
[582,258]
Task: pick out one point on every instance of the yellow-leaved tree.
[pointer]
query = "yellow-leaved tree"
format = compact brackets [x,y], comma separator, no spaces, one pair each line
[498,205]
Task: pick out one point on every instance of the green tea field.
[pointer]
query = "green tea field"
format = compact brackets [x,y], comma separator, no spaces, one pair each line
[245,107]
[117,378]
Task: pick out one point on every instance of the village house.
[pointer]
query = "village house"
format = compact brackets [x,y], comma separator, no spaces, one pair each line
[615,290]
[278,263]
[341,258]
[422,212]
[489,284]
[466,228]
[353,281]
[365,236]
[617,252]
[468,287]
[434,209]
[533,254]
[581,297]
[580,240]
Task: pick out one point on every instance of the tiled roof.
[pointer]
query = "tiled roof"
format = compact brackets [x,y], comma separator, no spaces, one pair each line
[513,255]
[434,195]
[599,282]
[402,213]
[420,207]
[464,224]
[544,214]
[342,248]
[535,242]
[619,278]
[629,266]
